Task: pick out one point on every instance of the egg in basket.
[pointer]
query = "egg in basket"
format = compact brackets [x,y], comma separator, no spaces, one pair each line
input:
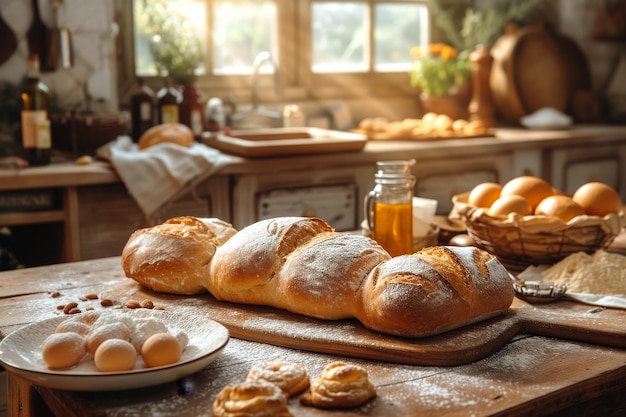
[526,222]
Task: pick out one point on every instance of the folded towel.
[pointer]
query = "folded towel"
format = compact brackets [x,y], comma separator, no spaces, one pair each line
[162,173]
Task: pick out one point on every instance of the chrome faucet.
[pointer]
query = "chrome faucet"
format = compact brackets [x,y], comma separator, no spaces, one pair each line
[259,60]
[257,115]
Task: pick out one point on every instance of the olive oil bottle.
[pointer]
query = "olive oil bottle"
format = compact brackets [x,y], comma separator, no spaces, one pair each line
[36,141]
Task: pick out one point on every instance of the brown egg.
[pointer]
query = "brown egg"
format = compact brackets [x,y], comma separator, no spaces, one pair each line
[598,199]
[161,349]
[115,355]
[62,350]
[510,204]
[561,206]
[484,194]
[533,189]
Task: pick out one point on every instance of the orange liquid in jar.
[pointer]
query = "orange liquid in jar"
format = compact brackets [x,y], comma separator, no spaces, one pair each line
[393,227]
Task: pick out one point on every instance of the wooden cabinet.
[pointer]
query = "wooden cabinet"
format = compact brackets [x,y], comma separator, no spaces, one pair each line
[571,167]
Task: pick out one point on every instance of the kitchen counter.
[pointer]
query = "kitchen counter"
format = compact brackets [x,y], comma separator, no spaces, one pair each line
[95,213]
[530,375]
[506,139]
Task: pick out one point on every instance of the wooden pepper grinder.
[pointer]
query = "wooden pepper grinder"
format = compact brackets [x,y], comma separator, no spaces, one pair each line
[481,105]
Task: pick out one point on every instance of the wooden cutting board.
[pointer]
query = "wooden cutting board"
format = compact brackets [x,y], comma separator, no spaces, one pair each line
[562,319]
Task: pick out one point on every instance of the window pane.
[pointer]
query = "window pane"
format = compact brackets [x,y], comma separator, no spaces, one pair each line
[339,36]
[242,29]
[169,22]
[398,27]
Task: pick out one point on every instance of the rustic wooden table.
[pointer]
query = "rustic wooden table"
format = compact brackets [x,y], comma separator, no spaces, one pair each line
[528,376]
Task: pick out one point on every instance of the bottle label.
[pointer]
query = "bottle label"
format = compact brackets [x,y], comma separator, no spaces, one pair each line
[145,112]
[169,113]
[196,122]
[31,119]
[43,135]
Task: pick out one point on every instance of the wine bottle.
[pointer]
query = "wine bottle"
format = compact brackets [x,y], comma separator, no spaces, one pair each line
[168,99]
[36,141]
[143,105]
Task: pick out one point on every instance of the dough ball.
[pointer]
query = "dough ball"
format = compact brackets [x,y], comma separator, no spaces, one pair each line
[106,332]
[115,355]
[73,326]
[62,350]
[161,349]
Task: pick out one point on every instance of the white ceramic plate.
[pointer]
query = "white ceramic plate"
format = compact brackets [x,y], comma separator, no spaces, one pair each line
[20,352]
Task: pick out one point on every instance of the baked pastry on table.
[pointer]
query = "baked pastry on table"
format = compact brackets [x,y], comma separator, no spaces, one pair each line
[340,386]
[291,378]
[302,265]
[252,398]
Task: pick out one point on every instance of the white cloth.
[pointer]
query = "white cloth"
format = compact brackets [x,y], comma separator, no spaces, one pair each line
[158,175]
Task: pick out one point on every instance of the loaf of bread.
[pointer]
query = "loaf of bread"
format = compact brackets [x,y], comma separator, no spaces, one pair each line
[302,265]
[174,257]
[166,133]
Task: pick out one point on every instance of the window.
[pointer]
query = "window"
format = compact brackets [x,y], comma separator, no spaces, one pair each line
[322,48]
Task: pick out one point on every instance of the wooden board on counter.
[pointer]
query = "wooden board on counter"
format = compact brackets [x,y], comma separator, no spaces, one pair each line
[348,337]
[285,141]
[561,319]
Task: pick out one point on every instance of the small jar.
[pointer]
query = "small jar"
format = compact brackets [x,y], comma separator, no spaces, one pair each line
[389,207]
[293,116]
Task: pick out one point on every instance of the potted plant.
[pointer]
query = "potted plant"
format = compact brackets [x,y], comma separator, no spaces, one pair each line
[175,48]
[442,75]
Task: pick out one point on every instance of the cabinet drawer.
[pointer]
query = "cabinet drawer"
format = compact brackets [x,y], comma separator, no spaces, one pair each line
[334,203]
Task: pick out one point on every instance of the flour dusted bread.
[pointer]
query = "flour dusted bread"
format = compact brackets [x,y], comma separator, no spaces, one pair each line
[302,265]
[294,263]
[174,257]
[434,290]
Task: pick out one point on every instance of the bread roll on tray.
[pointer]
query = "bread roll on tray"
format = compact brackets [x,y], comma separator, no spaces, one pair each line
[302,265]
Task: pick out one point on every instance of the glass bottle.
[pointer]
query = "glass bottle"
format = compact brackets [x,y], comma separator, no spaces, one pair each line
[168,101]
[143,106]
[36,139]
[389,207]
[192,110]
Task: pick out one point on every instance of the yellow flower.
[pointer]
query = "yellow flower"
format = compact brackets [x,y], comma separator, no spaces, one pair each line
[441,70]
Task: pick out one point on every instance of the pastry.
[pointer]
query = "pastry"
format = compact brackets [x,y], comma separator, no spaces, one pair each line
[253,398]
[290,377]
[340,386]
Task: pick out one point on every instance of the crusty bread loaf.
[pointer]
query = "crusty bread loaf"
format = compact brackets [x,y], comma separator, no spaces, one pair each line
[166,133]
[297,264]
[304,266]
[434,290]
[174,257]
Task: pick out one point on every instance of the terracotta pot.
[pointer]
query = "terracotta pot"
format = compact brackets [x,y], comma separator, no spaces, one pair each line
[454,106]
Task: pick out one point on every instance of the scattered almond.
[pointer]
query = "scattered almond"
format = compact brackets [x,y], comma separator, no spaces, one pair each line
[105,302]
[132,304]
[146,304]
[69,306]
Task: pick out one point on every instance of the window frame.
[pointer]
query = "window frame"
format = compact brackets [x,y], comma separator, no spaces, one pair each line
[299,83]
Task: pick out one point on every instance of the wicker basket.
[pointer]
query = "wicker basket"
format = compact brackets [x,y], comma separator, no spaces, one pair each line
[520,241]
[83,133]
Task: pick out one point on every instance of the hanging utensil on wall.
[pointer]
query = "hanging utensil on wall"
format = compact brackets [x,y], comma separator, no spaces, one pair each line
[37,37]
[64,37]
[9,41]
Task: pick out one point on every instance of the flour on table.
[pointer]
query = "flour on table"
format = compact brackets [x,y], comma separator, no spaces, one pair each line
[601,273]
